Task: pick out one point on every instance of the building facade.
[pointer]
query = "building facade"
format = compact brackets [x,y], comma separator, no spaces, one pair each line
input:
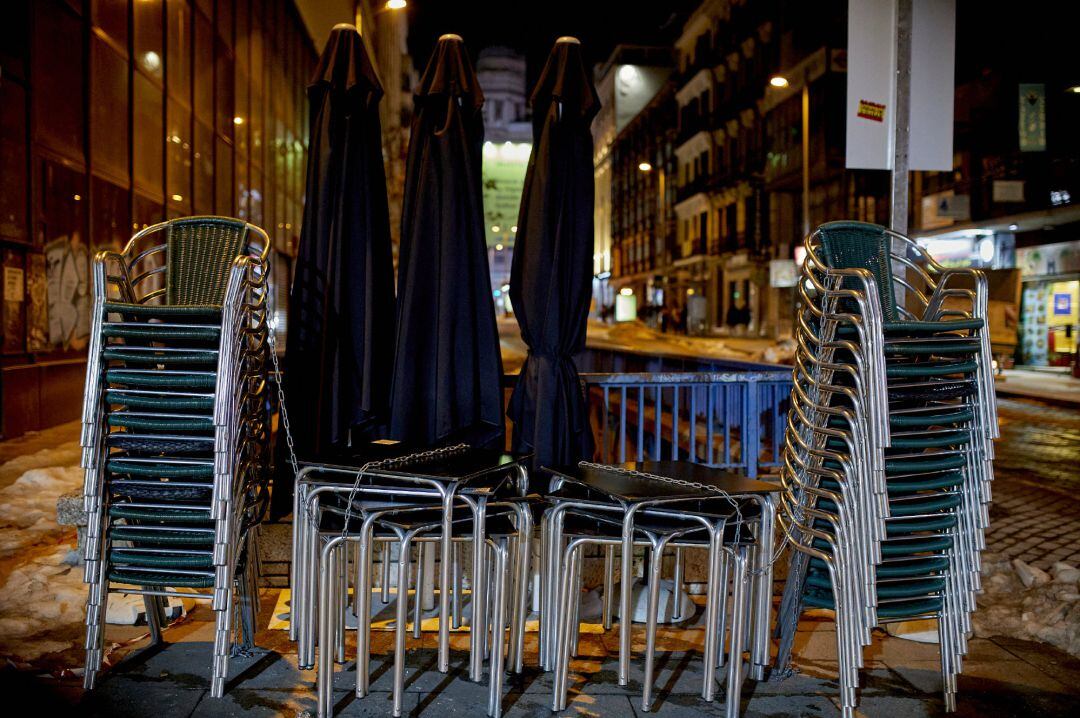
[737,173]
[643,190]
[629,79]
[117,115]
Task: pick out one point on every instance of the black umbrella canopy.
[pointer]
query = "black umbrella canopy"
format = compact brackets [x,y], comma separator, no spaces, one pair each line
[447,384]
[341,329]
[551,275]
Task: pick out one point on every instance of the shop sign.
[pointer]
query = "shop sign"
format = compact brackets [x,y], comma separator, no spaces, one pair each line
[783,273]
[1058,258]
[1032,117]
[14,285]
[943,209]
[1008,190]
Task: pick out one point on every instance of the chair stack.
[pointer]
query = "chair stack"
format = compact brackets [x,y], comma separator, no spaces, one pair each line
[175,429]
[887,458]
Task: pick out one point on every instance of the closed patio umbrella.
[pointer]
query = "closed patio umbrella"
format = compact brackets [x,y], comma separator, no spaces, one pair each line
[551,275]
[339,352]
[447,384]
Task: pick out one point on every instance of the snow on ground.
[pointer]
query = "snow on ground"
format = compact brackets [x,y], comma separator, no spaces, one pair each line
[1020,601]
[41,594]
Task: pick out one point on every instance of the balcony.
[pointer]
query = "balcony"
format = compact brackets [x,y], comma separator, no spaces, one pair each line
[691,188]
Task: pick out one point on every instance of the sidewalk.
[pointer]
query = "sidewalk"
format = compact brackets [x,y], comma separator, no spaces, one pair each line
[1055,387]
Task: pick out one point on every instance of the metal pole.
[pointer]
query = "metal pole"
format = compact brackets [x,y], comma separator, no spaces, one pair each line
[806,154]
[899,194]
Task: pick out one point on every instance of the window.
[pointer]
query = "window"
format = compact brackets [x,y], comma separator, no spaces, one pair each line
[13,180]
[179,49]
[59,96]
[178,166]
[149,135]
[111,16]
[203,189]
[109,142]
[204,69]
[148,35]
[110,221]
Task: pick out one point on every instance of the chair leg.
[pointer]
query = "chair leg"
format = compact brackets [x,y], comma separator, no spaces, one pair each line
[712,610]
[733,694]
[498,621]
[400,624]
[609,586]
[152,608]
[677,593]
[656,570]
[95,630]
[563,617]
[521,591]
[384,583]
[418,596]
[722,605]
[341,600]
[363,620]
[326,616]
[455,607]
[479,599]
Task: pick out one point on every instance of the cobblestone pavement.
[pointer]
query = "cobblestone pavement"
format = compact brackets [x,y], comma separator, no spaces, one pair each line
[1036,511]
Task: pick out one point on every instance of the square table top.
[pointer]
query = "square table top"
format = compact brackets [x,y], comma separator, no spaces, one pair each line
[466,465]
[629,489]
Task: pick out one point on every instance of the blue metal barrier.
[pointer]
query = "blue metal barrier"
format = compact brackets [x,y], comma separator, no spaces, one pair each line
[732,420]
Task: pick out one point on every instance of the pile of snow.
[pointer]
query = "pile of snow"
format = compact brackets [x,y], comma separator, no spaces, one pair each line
[42,596]
[42,604]
[28,507]
[1022,601]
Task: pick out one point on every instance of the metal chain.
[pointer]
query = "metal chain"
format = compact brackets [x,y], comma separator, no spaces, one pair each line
[272,337]
[413,458]
[700,487]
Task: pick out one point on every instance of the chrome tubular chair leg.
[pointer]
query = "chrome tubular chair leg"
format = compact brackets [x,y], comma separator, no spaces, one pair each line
[418,596]
[677,593]
[733,692]
[455,609]
[656,570]
[498,620]
[609,586]
[384,574]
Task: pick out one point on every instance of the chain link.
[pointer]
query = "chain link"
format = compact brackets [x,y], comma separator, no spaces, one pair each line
[700,487]
[414,458]
[272,338]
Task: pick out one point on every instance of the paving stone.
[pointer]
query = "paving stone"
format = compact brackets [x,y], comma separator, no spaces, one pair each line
[129,697]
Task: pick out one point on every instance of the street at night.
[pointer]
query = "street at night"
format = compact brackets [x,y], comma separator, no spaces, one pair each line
[425,358]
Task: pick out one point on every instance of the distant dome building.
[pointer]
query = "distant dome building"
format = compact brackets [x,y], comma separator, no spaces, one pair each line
[501,73]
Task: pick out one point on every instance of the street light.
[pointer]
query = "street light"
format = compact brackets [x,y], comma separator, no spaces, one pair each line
[779,81]
[395,4]
[645,167]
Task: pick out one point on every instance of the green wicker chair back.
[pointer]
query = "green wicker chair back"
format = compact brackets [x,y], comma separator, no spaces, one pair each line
[861,245]
[201,251]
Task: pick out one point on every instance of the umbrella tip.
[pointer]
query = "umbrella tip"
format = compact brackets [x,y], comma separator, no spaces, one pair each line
[568,40]
[451,36]
[344,26]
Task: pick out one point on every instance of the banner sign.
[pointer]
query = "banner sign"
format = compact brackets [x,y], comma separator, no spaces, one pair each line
[1033,117]
[933,84]
[871,79]
[871,91]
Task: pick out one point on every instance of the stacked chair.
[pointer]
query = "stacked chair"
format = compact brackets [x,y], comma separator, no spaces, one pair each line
[887,457]
[175,425]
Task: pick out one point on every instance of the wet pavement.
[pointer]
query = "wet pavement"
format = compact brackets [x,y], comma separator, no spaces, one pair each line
[1036,511]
